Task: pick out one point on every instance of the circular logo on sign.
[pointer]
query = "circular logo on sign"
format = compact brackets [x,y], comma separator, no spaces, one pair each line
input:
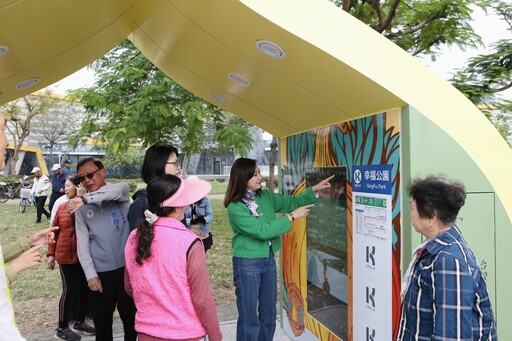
[357,176]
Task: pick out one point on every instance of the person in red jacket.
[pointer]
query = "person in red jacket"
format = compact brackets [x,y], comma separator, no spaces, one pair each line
[74,285]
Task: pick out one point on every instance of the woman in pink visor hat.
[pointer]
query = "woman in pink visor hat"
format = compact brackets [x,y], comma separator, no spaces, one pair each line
[166,267]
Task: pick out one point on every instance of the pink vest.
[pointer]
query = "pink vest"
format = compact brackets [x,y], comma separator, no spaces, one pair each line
[160,286]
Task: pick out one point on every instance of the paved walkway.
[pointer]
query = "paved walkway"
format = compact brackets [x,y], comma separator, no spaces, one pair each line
[227,317]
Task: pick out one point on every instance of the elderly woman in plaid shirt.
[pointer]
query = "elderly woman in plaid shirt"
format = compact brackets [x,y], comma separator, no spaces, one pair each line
[444,296]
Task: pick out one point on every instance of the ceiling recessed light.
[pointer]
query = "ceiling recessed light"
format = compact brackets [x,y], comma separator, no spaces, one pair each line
[218,98]
[270,49]
[238,79]
[27,83]
[3,51]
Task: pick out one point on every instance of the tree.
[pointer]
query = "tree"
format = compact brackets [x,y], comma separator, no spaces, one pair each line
[420,27]
[231,134]
[486,75]
[501,123]
[131,158]
[272,162]
[134,102]
[20,113]
[60,122]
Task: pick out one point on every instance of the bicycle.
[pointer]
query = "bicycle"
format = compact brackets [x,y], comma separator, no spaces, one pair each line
[9,190]
[26,199]
[25,194]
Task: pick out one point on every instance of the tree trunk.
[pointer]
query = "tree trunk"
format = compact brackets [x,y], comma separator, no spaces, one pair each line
[14,160]
[16,154]
[184,165]
[52,144]
[271,163]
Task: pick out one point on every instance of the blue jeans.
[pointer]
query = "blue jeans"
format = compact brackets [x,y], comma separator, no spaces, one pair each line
[255,281]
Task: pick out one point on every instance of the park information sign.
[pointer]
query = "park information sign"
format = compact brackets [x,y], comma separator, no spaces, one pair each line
[372,223]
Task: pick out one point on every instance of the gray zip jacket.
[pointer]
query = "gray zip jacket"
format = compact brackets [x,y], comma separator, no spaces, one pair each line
[102,229]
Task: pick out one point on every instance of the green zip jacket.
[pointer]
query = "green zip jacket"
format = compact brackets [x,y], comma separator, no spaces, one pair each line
[251,235]
[11,251]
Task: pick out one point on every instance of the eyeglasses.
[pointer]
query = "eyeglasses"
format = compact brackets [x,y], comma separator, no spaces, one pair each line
[88,176]
[174,163]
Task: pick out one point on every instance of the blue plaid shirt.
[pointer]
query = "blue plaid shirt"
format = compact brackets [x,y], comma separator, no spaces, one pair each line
[447,297]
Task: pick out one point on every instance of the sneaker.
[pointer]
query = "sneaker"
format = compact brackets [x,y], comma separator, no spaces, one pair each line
[84,328]
[67,334]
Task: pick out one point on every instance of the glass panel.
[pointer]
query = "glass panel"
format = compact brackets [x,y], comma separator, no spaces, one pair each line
[327,251]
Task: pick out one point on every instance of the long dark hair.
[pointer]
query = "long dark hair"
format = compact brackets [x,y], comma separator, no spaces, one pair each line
[242,171]
[159,189]
[155,161]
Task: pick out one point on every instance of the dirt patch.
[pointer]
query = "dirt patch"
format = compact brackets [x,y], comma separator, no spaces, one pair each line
[41,315]
[224,296]
[36,316]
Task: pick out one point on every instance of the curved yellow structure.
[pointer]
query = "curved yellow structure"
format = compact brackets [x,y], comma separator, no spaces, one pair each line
[331,68]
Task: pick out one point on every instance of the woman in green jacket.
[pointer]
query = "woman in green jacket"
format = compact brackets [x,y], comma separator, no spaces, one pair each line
[256,237]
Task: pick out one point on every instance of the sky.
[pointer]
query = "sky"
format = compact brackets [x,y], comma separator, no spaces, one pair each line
[490,28]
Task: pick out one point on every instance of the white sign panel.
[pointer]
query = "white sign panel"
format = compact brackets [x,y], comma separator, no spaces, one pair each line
[372,257]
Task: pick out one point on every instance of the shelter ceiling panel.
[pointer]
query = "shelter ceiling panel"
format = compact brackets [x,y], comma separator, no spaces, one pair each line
[307,66]
[212,40]
[51,39]
[188,79]
[189,48]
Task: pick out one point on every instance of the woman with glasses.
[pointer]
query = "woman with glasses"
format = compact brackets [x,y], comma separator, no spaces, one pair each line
[160,159]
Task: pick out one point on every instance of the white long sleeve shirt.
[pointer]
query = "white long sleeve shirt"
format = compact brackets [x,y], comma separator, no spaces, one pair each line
[41,186]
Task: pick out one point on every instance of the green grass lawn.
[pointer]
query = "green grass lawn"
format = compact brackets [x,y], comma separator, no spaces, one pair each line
[36,292]
[218,187]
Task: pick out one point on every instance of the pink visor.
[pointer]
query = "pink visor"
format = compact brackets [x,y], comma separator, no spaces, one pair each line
[189,192]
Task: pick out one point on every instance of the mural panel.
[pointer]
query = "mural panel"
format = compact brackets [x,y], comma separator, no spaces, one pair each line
[373,140]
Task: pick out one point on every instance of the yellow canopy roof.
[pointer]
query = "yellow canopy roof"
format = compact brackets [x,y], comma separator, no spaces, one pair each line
[199,44]
[334,67]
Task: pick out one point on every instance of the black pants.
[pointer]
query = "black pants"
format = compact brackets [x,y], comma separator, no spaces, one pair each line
[40,201]
[208,242]
[53,198]
[73,301]
[104,304]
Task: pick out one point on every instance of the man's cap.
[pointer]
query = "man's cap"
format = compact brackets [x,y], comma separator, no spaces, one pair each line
[189,192]
[55,167]
[68,161]
[35,169]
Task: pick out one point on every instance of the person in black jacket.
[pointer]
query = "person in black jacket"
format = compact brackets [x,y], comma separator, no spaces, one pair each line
[159,159]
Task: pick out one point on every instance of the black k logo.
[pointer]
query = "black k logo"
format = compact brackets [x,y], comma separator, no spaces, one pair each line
[370,253]
[370,296]
[370,334]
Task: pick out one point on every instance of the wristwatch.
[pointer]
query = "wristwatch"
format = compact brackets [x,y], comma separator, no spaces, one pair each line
[84,199]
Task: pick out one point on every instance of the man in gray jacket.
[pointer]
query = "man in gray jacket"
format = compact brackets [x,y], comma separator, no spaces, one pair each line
[102,230]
